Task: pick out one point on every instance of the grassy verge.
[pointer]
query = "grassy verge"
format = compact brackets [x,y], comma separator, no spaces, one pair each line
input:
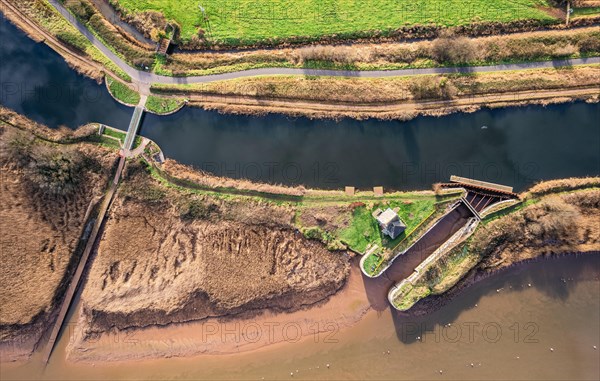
[122,92]
[586,11]
[443,52]
[393,89]
[104,141]
[124,47]
[163,105]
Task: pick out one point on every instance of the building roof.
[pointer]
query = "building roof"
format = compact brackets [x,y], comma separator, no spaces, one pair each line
[387,217]
[395,229]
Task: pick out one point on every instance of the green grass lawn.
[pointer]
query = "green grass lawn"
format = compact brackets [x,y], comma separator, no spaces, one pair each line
[122,92]
[162,105]
[371,263]
[364,230]
[114,133]
[242,21]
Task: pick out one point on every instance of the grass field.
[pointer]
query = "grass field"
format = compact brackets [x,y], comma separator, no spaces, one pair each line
[588,11]
[122,92]
[161,105]
[244,21]
[364,229]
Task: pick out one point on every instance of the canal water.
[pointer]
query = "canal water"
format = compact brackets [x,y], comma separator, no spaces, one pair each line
[514,146]
[503,328]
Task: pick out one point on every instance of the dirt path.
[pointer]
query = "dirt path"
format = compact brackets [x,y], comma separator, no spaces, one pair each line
[251,105]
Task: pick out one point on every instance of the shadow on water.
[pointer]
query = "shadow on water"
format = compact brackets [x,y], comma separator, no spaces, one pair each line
[554,277]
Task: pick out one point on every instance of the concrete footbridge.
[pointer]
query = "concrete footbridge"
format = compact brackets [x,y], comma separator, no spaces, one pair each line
[134,125]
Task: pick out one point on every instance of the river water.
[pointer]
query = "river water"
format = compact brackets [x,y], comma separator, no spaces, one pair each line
[502,326]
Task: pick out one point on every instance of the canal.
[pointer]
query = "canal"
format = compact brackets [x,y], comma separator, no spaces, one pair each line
[513,146]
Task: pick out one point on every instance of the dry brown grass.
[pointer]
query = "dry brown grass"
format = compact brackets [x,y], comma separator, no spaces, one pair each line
[396,89]
[562,185]
[41,218]
[558,224]
[205,179]
[157,265]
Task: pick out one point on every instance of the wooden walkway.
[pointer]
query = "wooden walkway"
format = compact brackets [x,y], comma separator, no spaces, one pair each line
[74,284]
[482,184]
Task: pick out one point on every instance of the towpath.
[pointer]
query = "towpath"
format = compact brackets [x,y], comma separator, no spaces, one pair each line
[146,78]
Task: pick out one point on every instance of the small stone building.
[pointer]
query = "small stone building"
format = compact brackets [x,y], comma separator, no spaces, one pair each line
[390,223]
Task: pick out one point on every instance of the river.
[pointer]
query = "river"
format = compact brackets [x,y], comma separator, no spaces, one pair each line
[503,328]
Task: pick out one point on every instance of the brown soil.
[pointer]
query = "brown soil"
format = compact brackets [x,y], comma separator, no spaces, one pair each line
[156,265]
[39,233]
[228,335]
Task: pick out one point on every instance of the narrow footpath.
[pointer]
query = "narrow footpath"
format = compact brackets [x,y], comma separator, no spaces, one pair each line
[147,78]
[76,280]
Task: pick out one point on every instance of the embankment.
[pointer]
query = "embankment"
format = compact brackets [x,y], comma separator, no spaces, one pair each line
[49,192]
[561,218]
[168,256]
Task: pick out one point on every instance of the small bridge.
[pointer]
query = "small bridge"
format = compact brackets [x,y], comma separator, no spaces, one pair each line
[134,125]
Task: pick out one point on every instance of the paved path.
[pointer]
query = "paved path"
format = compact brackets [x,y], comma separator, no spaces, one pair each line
[146,78]
[134,125]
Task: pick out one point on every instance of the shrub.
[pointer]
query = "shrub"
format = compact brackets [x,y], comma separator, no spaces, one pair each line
[338,54]
[454,50]
[143,62]
[432,88]
[113,38]
[55,171]
[198,210]
[315,233]
[150,23]
[589,44]
[16,147]
[83,10]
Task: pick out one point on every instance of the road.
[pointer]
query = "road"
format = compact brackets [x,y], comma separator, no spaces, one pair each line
[145,78]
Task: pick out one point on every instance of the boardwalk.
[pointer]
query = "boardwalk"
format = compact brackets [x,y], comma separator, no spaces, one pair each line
[76,280]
